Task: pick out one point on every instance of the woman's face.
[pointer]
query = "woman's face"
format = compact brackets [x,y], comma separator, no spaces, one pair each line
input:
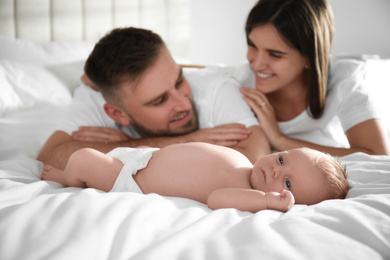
[277,65]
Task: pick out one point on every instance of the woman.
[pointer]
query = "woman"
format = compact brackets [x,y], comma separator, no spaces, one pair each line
[297,106]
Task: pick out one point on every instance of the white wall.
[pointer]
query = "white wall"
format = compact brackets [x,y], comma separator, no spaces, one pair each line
[362,27]
[217,29]
[218,34]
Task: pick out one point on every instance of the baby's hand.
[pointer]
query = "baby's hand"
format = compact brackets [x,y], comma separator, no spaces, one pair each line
[280,201]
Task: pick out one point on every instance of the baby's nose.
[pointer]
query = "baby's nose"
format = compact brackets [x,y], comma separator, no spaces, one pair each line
[275,172]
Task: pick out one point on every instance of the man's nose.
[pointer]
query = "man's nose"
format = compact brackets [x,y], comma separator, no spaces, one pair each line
[180,101]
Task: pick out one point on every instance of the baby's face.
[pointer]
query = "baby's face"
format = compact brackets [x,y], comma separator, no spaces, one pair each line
[292,170]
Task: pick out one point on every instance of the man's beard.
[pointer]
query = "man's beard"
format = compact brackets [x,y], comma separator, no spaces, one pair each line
[191,126]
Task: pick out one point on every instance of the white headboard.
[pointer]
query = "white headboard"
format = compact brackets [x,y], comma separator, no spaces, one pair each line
[89,20]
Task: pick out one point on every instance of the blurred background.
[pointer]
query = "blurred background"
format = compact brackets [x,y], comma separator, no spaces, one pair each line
[198,31]
[217,29]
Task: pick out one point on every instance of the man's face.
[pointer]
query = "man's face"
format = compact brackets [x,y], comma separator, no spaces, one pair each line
[162,102]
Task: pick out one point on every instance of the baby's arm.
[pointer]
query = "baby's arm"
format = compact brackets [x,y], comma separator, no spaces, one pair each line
[250,200]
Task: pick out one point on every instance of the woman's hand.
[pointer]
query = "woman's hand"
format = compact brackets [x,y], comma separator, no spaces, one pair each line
[265,114]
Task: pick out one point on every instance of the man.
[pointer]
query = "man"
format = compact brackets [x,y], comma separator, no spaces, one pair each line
[147,96]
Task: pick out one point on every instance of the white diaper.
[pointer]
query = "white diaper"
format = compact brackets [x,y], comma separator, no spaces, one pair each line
[133,159]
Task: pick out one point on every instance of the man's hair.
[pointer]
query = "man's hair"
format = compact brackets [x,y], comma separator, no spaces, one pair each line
[306,25]
[122,55]
[335,174]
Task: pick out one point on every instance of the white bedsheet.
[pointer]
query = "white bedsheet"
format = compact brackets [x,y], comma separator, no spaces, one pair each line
[43,220]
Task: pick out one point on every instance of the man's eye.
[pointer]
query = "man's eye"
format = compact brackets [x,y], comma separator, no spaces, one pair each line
[280,160]
[288,184]
[160,101]
[179,82]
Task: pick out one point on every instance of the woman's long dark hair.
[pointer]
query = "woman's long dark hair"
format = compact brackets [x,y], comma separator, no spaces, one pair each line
[306,25]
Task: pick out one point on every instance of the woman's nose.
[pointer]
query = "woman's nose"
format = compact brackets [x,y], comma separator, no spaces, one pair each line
[259,62]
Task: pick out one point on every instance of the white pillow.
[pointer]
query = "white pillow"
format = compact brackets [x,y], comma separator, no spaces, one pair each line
[68,73]
[24,86]
[378,85]
[43,53]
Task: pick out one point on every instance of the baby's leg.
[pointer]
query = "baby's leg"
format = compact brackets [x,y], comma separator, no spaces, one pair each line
[90,168]
[70,176]
[86,168]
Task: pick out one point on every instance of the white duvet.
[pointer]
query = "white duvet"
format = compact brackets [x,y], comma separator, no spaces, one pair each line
[43,220]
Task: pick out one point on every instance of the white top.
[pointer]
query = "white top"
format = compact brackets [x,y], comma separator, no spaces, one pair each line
[217,98]
[347,104]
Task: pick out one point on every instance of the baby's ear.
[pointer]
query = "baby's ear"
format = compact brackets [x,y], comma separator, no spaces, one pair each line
[87,82]
[117,114]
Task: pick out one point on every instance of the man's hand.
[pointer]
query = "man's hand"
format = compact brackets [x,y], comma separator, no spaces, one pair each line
[228,135]
[280,201]
[99,134]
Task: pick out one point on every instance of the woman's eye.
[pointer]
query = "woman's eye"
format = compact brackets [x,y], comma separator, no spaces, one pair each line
[250,43]
[288,184]
[280,160]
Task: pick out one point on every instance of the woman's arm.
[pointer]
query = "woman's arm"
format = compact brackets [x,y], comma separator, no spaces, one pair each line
[250,200]
[367,137]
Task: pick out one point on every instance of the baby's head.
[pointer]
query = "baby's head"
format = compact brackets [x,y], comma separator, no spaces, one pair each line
[310,175]
[335,175]
[330,177]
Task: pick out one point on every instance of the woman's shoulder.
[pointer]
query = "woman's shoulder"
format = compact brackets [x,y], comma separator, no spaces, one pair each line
[345,73]
[244,75]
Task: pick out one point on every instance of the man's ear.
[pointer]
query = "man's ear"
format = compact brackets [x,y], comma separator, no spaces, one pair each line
[117,114]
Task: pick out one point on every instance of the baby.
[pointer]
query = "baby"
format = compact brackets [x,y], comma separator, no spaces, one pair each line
[217,176]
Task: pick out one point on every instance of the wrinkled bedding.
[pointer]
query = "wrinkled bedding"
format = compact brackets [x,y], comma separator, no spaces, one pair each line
[43,220]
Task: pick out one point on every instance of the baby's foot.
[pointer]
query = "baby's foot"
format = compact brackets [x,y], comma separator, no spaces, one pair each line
[49,173]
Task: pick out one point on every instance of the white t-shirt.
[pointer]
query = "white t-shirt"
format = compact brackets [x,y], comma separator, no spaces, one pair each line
[217,101]
[347,104]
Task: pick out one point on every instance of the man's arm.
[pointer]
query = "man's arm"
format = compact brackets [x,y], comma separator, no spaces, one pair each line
[61,145]
[250,200]
[225,135]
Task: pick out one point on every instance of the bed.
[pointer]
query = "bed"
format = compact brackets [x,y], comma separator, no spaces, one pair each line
[43,220]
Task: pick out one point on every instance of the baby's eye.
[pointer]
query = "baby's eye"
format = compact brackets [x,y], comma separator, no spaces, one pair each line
[288,184]
[280,160]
